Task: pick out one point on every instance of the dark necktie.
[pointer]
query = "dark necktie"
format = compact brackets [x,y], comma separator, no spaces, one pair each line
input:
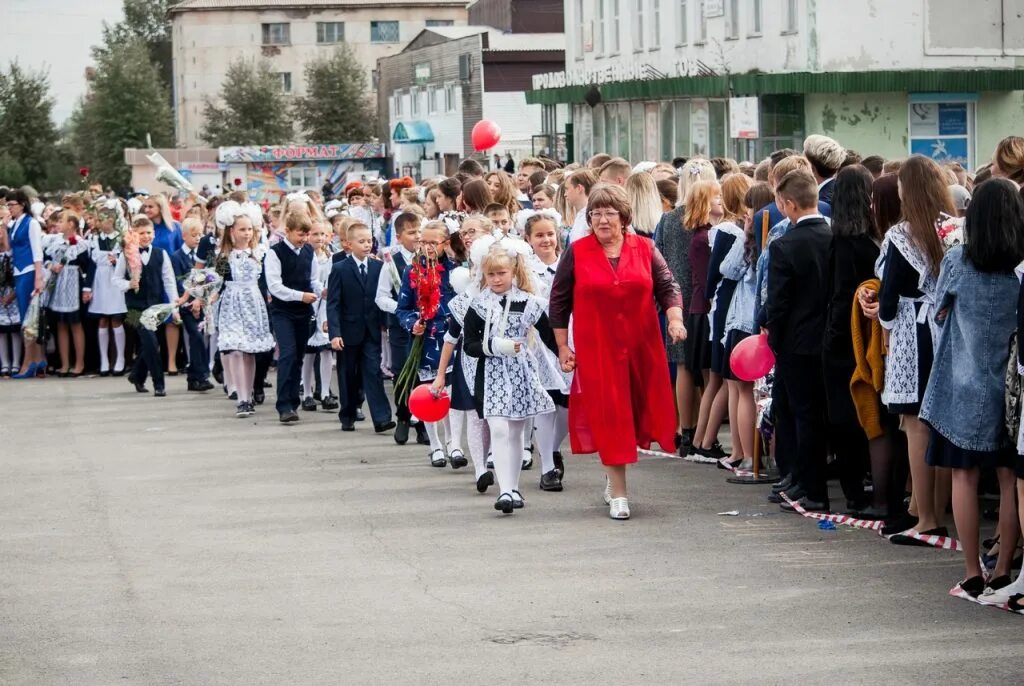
[551,271]
[143,251]
[362,273]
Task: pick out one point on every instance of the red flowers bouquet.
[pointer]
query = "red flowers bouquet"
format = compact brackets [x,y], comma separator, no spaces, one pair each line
[425,279]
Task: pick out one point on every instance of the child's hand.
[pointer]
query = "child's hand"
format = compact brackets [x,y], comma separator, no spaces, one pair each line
[197,307]
[338,343]
[86,297]
[134,284]
[437,388]
[112,259]
[868,301]
[57,268]
[567,358]
[309,298]
[418,328]
[323,327]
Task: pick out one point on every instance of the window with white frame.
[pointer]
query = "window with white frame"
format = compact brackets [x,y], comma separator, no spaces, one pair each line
[613,40]
[756,17]
[303,177]
[683,25]
[286,81]
[433,99]
[599,31]
[398,103]
[638,24]
[655,24]
[732,19]
[579,28]
[451,103]
[383,31]
[277,34]
[414,102]
[702,23]
[790,19]
[330,32]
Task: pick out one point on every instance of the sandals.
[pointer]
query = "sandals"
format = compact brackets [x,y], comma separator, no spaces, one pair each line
[607,491]
[505,503]
[437,458]
[618,508]
[458,459]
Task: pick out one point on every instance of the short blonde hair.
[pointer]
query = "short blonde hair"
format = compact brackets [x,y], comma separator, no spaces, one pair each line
[825,154]
[191,224]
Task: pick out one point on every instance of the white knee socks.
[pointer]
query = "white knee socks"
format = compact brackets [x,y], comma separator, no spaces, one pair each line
[326,373]
[5,359]
[15,351]
[478,436]
[507,440]
[103,336]
[119,345]
[435,440]
[545,425]
[308,382]
[456,422]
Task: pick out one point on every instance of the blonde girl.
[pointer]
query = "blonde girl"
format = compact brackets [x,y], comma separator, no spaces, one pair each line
[243,324]
[318,347]
[508,389]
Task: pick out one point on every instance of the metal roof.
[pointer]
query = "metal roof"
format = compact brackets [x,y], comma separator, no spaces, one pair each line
[203,5]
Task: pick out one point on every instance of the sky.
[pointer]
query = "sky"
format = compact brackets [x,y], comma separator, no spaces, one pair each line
[55,35]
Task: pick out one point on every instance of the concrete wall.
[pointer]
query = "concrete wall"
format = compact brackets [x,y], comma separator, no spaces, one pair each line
[870,123]
[205,43]
[998,115]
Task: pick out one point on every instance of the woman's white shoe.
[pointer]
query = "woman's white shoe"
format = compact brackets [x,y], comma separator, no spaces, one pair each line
[618,508]
[607,491]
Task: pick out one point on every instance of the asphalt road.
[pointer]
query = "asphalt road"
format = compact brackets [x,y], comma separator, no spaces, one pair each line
[162,541]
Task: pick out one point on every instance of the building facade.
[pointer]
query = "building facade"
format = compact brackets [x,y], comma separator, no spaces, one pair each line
[448,79]
[651,79]
[209,34]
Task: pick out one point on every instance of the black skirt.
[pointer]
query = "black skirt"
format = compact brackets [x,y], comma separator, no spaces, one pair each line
[698,345]
[67,317]
[734,338]
[942,453]
[719,362]
[462,398]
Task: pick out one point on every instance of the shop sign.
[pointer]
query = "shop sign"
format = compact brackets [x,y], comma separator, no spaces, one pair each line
[629,71]
[301,153]
[744,121]
[202,167]
[422,73]
[714,8]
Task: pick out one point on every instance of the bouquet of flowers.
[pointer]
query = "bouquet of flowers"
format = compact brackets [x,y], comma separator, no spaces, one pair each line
[201,284]
[165,173]
[951,231]
[132,256]
[425,278]
[30,327]
[389,264]
[153,317]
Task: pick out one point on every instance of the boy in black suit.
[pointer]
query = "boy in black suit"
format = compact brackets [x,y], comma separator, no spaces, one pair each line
[796,306]
[407,230]
[354,325]
[153,286]
[183,261]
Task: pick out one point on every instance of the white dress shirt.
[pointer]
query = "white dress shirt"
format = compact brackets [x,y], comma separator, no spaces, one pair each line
[272,269]
[384,298]
[580,228]
[122,278]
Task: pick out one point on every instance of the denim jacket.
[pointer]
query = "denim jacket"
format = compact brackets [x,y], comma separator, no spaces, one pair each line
[965,397]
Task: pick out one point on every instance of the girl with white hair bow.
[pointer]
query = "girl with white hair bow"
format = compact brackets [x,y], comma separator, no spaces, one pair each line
[107,303]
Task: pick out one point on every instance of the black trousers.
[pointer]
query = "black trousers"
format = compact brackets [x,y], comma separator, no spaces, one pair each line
[148,361]
[359,373]
[798,401]
[292,334]
[198,356]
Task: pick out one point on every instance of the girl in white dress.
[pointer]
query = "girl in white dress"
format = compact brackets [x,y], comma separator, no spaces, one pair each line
[318,347]
[243,325]
[508,388]
[107,302]
[67,255]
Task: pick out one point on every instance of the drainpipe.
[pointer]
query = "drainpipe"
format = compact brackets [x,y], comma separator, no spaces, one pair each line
[812,36]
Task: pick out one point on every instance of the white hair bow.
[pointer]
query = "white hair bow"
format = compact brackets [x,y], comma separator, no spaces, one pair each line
[297,195]
[227,212]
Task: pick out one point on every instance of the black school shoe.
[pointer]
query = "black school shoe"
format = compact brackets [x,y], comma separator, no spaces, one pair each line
[381,428]
[807,504]
[308,404]
[559,463]
[199,386]
[715,451]
[421,434]
[484,482]
[901,539]
[402,432]
[160,393]
[330,403]
[258,397]
[288,417]
[551,481]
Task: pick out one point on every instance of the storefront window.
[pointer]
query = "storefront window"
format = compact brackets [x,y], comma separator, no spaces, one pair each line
[636,138]
[667,141]
[682,129]
[699,128]
[942,128]
[719,129]
[611,130]
[598,123]
[623,135]
[782,123]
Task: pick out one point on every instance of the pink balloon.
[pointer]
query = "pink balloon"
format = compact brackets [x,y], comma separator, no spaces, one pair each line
[485,135]
[752,359]
[425,406]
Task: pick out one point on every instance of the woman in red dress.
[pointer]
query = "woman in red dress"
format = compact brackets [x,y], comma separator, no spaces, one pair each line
[621,396]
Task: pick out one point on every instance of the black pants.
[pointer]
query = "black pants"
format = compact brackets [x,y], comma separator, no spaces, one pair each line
[148,361]
[399,340]
[292,334]
[799,406]
[198,357]
[359,373]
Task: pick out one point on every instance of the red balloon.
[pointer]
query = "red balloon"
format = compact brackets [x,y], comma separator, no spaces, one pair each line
[486,135]
[752,358]
[425,406]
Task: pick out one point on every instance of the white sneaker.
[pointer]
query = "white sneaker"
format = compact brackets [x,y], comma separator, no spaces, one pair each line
[618,508]
[607,491]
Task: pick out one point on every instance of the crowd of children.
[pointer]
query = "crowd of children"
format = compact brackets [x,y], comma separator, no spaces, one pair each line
[886,290]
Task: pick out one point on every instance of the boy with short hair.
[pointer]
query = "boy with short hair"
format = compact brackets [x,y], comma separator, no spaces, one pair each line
[796,317]
[183,261]
[291,271]
[499,216]
[354,326]
[396,263]
[153,286]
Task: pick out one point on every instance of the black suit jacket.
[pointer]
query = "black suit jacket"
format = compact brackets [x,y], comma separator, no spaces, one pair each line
[798,288]
[825,192]
[352,313]
[182,265]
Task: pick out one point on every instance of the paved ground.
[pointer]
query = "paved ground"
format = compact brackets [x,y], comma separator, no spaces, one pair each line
[162,541]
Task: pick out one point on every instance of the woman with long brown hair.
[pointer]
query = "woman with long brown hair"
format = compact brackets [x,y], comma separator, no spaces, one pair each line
[912,253]
[475,197]
[503,191]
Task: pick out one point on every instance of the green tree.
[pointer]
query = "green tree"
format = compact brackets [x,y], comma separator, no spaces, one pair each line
[337,106]
[127,101]
[145,21]
[252,110]
[28,143]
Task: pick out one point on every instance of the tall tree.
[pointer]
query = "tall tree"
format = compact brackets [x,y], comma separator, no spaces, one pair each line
[337,107]
[28,143]
[127,101]
[145,21]
[252,110]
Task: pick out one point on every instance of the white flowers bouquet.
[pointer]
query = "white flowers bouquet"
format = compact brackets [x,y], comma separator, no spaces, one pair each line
[153,317]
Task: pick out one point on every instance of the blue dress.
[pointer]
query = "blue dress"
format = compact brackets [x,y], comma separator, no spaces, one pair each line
[408,314]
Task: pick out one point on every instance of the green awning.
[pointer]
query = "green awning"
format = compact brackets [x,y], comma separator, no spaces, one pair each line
[939,81]
[413,132]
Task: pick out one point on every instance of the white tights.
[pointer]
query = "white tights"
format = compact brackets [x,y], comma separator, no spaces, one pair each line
[454,427]
[507,443]
[435,439]
[309,380]
[239,373]
[552,428]
[478,435]
[13,360]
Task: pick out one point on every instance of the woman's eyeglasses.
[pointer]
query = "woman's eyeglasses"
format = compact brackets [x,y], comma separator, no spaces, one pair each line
[597,214]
